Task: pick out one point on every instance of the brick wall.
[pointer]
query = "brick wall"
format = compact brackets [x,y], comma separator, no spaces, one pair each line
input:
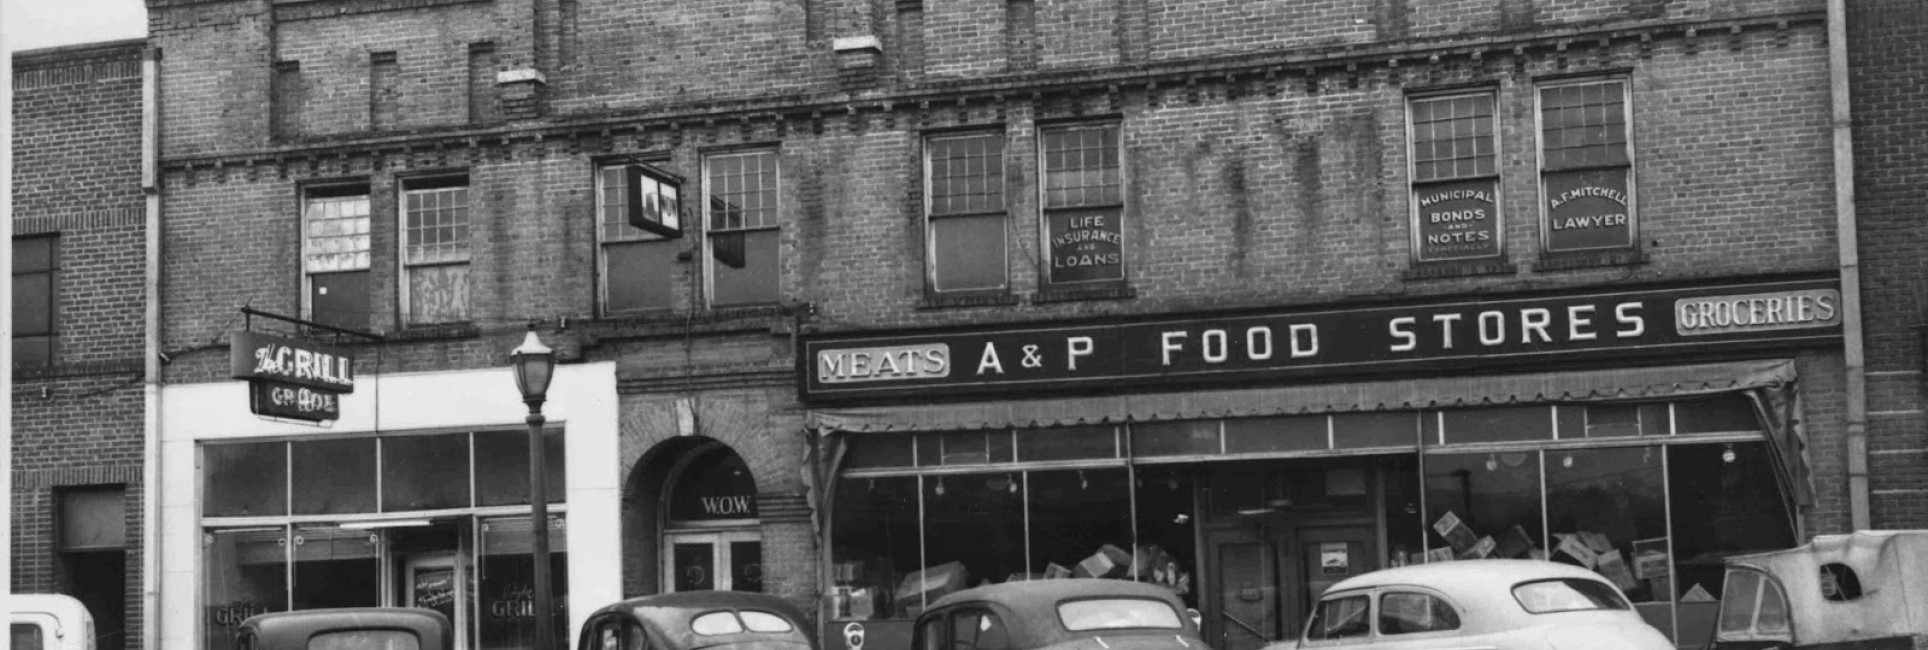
[1888,49]
[77,176]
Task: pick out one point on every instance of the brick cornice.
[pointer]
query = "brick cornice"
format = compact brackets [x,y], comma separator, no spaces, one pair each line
[1094,91]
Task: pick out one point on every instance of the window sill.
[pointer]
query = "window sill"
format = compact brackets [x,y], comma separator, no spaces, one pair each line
[436,332]
[1589,260]
[1072,295]
[975,299]
[1440,270]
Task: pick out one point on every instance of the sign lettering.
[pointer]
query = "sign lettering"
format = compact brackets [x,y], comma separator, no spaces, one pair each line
[259,356]
[1086,246]
[1458,221]
[1587,210]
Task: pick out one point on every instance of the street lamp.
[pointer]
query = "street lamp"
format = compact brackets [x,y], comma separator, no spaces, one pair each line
[535,365]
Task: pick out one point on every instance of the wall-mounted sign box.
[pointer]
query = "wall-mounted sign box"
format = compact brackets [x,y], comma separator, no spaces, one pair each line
[276,399]
[1324,342]
[654,200]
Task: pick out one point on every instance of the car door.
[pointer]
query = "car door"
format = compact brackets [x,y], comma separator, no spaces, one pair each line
[1340,620]
[1412,618]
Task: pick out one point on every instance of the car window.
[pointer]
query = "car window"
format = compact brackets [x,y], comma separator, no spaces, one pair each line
[1738,600]
[1773,616]
[1404,612]
[978,629]
[1567,595]
[27,636]
[715,623]
[759,621]
[1338,618]
[364,640]
[609,635]
[931,636]
[633,636]
[1118,613]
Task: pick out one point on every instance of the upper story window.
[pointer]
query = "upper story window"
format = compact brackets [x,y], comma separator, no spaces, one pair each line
[36,267]
[435,251]
[335,256]
[633,266]
[742,215]
[966,223]
[1455,178]
[1083,206]
[1586,167]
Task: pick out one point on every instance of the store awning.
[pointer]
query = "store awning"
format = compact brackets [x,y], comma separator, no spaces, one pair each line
[1619,384]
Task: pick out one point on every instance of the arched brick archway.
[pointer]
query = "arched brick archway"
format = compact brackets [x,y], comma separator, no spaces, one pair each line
[686,499]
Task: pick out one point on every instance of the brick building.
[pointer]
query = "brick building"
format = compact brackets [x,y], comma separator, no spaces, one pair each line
[1885,86]
[852,291]
[79,252]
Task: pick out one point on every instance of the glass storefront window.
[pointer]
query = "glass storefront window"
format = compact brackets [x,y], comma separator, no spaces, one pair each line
[1483,505]
[1377,430]
[332,476]
[874,544]
[506,584]
[1511,424]
[1166,522]
[425,472]
[1721,507]
[335,568]
[1262,435]
[1182,438]
[1405,532]
[1071,443]
[973,533]
[879,451]
[247,574]
[503,457]
[1074,514]
[1607,511]
[245,479]
[1722,414]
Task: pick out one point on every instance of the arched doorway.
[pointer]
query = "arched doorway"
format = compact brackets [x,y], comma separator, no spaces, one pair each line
[711,537]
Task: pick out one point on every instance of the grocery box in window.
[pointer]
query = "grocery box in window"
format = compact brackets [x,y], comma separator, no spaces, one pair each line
[932,582]
[1109,562]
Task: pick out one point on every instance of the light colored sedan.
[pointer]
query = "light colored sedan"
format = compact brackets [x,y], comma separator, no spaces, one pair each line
[1477,605]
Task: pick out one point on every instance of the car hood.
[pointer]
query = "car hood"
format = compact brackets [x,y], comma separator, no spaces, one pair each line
[1133,641]
[1606,635]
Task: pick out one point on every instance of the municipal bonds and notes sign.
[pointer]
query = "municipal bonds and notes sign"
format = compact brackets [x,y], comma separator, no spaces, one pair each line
[1302,343]
[289,378]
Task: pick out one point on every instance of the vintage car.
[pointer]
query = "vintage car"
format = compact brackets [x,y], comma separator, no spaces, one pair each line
[50,622]
[1091,613]
[1861,590]
[348,628]
[693,620]
[1486,604]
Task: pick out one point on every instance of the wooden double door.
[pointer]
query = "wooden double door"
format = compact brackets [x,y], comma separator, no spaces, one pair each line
[1265,578]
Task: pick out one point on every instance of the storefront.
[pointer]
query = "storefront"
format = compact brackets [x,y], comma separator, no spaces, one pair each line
[1250,460]
[417,495]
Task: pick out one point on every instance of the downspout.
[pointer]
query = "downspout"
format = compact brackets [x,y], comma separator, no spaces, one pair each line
[151,386]
[1851,340]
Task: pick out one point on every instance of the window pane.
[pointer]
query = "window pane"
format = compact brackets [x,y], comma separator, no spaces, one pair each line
[1722,508]
[1567,595]
[247,574]
[339,299]
[337,234]
[1607,511]
[1071,443]
[1411,613]
[973,532]
[967,174]
[335,568]
[746,574]
[436,225]
[1724,414]
[1077,160]
[1259,435]
[968,253]
[1174,438]
[878,451]
[245,480]
[1073,514]
[636,275]
[1338,618]
[425,472]
[1118,613]
[333,476]
[438,294]
[27,636]
[503,457]
[753,282]
[33,304]
[1773,616]
[506,574]
[1479,504]
[1370,430]
[742,190]
[1447,132]
[874,541]
[1737,609]
[1498,425]
[365,640]
[1165,513]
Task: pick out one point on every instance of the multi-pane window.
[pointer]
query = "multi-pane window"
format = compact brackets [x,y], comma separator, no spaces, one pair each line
[742,214]
[966,228]
[1455,178]
[335,257]
[1586,167]
[435,253]
[633,265]
[1083,206]
[36,266]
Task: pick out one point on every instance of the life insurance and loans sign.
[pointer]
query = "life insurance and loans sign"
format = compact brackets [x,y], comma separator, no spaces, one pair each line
[289,378]
[1314,342]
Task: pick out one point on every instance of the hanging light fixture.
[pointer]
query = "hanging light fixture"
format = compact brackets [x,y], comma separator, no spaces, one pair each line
[1727,454]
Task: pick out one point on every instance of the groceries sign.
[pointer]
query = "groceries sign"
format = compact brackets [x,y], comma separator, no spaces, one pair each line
[291,379]
[1307,343]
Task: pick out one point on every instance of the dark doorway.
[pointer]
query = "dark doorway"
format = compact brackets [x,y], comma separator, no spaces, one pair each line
[99,581]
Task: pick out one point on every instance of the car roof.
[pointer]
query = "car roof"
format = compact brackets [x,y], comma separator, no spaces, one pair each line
[667,616]
[1047,593]
[1467,576]
[433,628]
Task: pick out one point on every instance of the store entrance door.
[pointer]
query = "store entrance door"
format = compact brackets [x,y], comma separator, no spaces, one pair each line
[429,581]
[723,561]
[1246,592]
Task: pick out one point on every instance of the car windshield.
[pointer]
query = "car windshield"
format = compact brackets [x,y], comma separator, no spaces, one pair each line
[1567,595]
[1118,613]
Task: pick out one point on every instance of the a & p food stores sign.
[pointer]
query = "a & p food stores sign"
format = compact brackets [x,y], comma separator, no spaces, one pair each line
[1289,344]
[291,379]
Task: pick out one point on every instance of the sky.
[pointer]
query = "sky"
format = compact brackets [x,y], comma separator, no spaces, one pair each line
[33,24]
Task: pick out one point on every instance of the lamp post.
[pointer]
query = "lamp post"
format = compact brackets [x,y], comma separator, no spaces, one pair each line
[534,365]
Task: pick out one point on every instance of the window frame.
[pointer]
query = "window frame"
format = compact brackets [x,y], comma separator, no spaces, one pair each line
[1414,186]
[1378,614]
[1371,617]
[710,231]
[311,193]
[1542,170]
[405,268]
[1002,210]
[1046,210]
[52,272]
[631,234]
